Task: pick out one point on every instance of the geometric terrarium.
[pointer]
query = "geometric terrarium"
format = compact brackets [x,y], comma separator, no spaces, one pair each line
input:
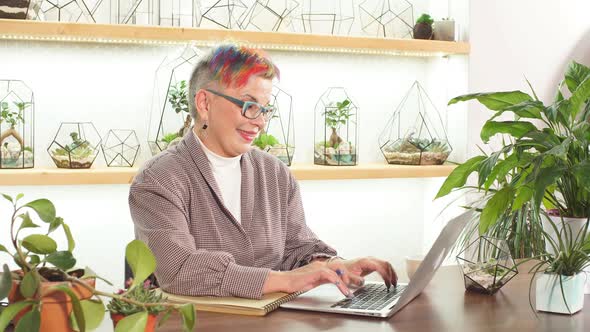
[75,145]
[69,10]
[278,136]
[120,148]
[335,128]
[226,14]
[415,134]
[170,119]
[333,17]
[387,18]
[16,125]
[270,15]
[140,12]
[487,265]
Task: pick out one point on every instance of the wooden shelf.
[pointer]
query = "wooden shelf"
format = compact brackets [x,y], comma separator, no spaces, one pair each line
[108,33]
[56,176]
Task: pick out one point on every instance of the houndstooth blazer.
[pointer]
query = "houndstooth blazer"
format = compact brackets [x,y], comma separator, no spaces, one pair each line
[200,248]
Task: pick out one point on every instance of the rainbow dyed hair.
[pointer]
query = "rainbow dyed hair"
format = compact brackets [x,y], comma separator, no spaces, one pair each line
[233,65]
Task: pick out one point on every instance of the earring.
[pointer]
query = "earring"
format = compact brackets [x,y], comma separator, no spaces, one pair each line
[205,126]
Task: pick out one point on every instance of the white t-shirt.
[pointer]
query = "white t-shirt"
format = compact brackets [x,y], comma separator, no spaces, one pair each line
[228,175]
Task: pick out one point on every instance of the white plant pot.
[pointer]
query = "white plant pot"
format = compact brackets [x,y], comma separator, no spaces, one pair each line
[444,30]
[576,225]
[549,296]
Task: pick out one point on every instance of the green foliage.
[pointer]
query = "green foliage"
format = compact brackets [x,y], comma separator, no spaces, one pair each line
[11,116]
[544,162]
[168,138]
[338,113]
[178,97]
[425,18]
[38,257]
[79,149]
[141,293]
[263,140]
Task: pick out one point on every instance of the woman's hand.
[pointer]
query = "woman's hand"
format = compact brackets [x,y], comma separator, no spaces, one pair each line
[352,271]
[303,279]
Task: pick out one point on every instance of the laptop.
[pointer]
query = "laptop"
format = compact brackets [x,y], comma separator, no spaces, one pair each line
[373,299]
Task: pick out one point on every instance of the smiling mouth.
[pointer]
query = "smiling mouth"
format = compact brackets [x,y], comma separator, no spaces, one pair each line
[248,136]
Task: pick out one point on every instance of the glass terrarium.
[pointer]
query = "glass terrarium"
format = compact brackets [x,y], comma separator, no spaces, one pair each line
[170,118]
[226,14]
[75,145]
[141,12]
[415,134]
[387,18]
[332,17]
[17,125]
[278,136]
[120,148]
[335,128]
[270,15]
[68,10]
[487,265]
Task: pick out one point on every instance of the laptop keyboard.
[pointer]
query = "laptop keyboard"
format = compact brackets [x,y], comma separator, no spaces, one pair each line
[371,297]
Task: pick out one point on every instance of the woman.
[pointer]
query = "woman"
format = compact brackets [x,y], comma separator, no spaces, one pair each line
[224,219]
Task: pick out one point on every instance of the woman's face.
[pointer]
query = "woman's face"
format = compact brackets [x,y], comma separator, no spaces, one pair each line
[230,134]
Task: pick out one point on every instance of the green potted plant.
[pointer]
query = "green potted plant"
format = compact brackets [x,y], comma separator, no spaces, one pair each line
[46,294]
[559,287]
[423,27]
[145,293]
[543,163]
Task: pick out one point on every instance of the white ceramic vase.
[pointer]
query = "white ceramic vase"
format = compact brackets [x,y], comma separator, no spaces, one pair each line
[549,296]
[576,225]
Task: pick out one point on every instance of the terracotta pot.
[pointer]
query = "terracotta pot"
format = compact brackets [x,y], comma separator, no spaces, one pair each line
[151,323]
[56,306]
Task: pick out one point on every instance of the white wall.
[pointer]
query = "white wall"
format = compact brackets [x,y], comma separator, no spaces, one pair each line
[511,40]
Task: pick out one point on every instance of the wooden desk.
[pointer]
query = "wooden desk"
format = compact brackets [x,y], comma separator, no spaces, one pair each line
[443,306]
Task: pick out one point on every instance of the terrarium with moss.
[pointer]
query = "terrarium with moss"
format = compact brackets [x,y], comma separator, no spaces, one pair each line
[16,125]
[415,134]
[335,129]
[76,145]
[278,135]
[170,118]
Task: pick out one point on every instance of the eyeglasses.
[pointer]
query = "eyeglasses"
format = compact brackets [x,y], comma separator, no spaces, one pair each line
[250,110]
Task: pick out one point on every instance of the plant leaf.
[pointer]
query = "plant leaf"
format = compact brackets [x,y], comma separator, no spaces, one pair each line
[93,312]
[494,208]
[459,176]
[581,172]
[71,242]
[546,177]
[5,282]
[3,248]
[133,323]
[165,317]
[11,311]
[528,109]
[579,97]
[495,100]
[39,244]
[27,221]
[89,273]
[44,208]
[575,74]
[31,321]
[187,312]
[8,198]
[501,170]
[61,259]
[58,221]
[141,260]
[29,284]
[516,129]
[19,196]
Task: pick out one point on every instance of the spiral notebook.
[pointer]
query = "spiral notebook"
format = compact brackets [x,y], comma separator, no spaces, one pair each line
[235,305]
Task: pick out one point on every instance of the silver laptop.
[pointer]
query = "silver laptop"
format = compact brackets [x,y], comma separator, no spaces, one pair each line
[373,299]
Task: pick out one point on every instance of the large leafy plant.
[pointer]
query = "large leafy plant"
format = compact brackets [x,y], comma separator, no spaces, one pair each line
[543,161]
[39,259]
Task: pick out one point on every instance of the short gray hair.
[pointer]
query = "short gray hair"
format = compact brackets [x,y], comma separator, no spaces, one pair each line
[200,78]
